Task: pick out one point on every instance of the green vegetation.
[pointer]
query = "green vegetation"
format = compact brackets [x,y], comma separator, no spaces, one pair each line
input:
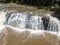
[33,2]
[45,4]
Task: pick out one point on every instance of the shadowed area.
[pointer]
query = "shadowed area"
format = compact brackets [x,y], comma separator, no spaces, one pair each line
[57,13]
[45,20]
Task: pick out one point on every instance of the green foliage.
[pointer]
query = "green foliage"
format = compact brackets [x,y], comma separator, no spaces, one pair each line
[53,4]
[39,2]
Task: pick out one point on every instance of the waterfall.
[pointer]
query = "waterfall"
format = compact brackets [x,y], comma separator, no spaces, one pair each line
[17,20]
[53,24]
[28,20]
[24,21]
[28,26]
[40,23]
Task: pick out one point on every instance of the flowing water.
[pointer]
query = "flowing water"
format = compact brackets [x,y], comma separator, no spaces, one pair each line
[25,20]
[29,25]
[28,20]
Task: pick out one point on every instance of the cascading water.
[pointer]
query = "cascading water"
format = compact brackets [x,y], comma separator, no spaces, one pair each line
[31,26]
[17,20]
[53,24]
[26,20]
[23,21]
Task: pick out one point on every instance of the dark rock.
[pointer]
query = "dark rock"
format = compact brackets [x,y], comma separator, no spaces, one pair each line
[45,20]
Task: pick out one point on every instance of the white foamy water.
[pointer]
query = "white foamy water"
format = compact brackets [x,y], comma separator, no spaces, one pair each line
[35,22]
[26,20]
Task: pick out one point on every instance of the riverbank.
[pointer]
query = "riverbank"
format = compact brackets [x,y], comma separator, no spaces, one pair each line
[20,7]
[54,11]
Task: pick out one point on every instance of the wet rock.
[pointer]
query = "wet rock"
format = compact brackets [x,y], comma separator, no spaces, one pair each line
[45,20]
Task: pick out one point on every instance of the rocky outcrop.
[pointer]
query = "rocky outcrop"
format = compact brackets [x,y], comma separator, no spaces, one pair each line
[45,20]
